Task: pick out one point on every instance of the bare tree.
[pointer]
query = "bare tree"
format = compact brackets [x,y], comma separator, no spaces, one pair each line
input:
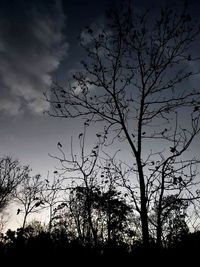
[82,171]
[52,195]
[11,176]
[132,83]
[28,195]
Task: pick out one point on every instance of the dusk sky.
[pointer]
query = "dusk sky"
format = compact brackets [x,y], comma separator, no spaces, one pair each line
[39,44]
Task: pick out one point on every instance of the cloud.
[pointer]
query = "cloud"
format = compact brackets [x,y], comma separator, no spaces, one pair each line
[78,89]
[32,45]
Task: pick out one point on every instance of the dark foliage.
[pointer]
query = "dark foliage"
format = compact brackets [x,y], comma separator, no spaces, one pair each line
[25,246]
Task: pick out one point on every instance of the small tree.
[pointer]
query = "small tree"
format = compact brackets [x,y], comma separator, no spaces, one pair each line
[51,196]
[28,195]
[82,170]
[174,219]
[11,176]
[115,210]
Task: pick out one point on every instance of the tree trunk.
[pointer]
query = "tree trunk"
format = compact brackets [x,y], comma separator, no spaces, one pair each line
[143,205]
[159,212]
[159,234]
[90,221]
[50,218]
[24,222]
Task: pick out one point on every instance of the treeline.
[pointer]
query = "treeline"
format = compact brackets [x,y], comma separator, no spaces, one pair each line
[86,222]
[36,245]
[95,208]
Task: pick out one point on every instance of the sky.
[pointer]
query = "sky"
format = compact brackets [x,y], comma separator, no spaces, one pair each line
[39,44]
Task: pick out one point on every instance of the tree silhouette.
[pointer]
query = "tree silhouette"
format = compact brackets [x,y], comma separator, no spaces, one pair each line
[115,211]
[173,220]
[51,195]
[132,83]
[82,171]
[108,214]
[11,176]
[28,195]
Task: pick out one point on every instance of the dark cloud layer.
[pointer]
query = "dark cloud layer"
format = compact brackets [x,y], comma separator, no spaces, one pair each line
[32,45]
